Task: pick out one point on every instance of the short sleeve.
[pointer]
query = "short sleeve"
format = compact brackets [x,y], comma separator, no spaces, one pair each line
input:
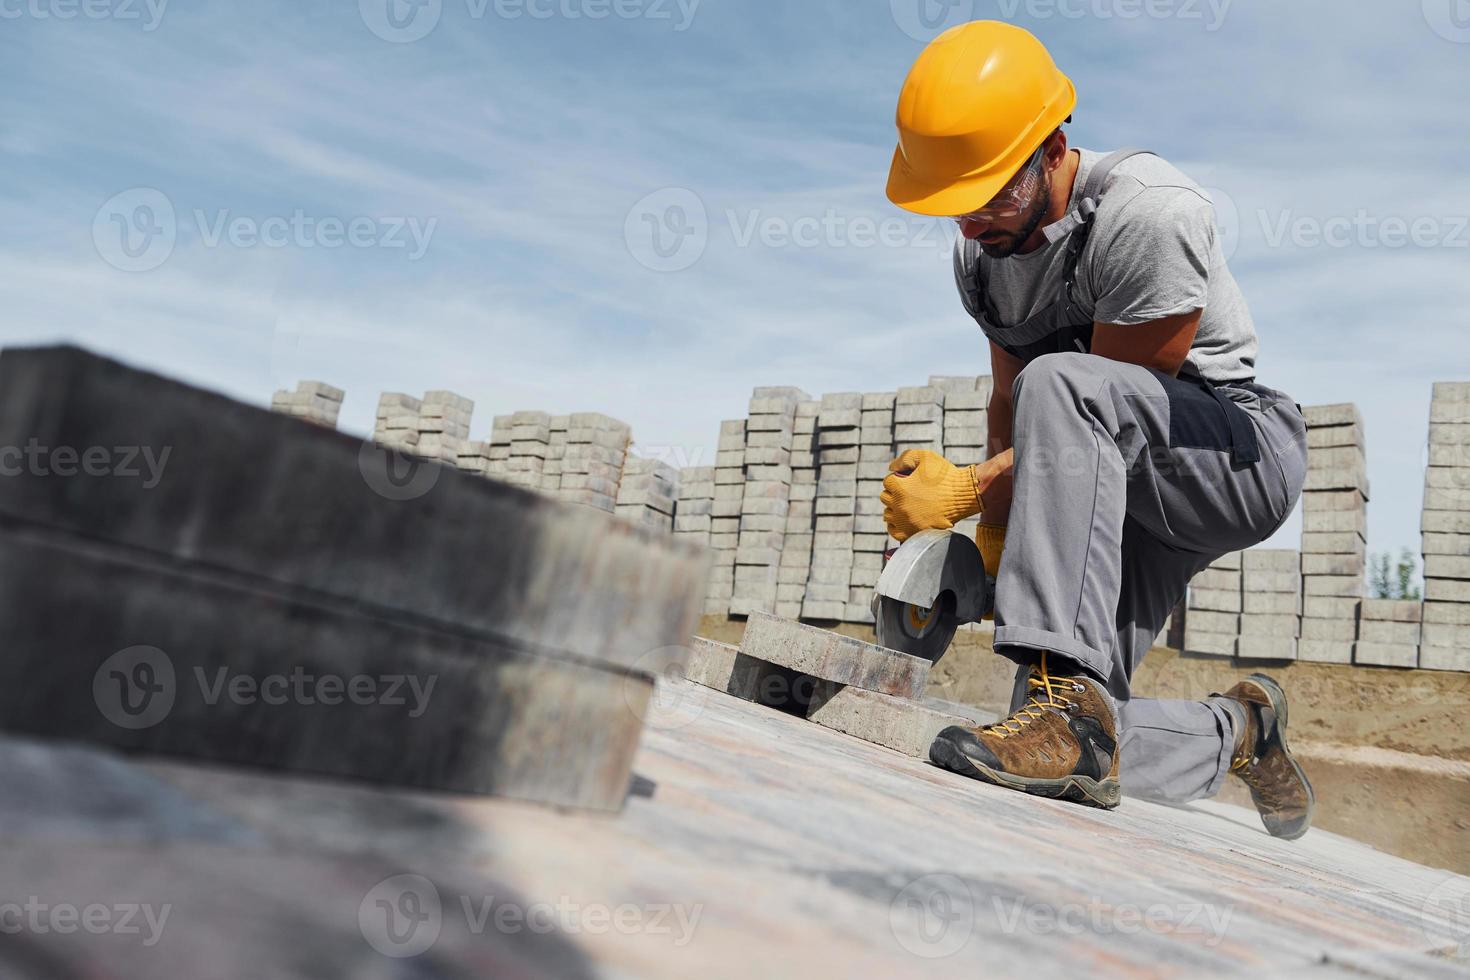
[1157,262]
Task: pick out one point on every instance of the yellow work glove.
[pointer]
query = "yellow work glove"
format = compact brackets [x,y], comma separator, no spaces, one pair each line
[991,539]
[924,490]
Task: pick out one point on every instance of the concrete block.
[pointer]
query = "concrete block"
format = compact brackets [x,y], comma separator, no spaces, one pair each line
[1449,434]
[1206,621]
[1392,610]
[968,401]
[846,418]
[833,657]
[1449,411]
[900,724]
[1270,603]
[1269,624]
[1324,651]
[917,432]
[1318,501]
[1452,613]
[1216,600]
[1340,414]
[1263,647]
[1212,644]
[244,671]
[1454,478]
[1337,458]
[1334,564]
[1453,455]
[1218,579]
[1444,634]
[1457,501]
[842,401]
[1337,479]
[859,609]
[1334,436]
[1446,590]
[1333,585]
[1447,566]
[1270,560]
[1233,560]
[920,395]
[1455,657]
[960,437]
[1445,522]
[1336,630]
[1385,655]
[823,609]
[1271,582]
[1336,543]
[879,401]
[1391,633]
[920,412]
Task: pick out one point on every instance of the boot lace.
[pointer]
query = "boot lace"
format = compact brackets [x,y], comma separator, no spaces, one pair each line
[1045,692]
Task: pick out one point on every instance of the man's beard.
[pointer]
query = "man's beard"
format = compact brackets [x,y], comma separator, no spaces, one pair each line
[1034,217]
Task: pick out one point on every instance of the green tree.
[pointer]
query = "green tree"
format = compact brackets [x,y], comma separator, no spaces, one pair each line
[1390,580]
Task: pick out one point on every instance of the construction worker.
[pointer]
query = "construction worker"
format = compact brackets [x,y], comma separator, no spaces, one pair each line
[1130,445]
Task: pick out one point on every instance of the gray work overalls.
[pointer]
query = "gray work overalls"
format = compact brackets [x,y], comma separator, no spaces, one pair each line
[1127,483]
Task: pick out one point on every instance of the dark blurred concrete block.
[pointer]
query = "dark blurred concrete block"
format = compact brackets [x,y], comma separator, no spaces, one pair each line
[833,657]
[114,647]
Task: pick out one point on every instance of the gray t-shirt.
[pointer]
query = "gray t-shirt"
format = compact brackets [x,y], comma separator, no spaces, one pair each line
[1153,252]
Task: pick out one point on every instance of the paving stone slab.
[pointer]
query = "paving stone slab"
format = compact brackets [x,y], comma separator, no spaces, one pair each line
[1336,630]
[833,657]
[900,724]
[251,492]
[1385,655]
[1325,651]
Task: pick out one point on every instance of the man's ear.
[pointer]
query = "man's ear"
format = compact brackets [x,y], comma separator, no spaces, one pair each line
[1056,149]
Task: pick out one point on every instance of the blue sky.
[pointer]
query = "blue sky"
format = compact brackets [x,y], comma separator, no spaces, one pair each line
[501,166]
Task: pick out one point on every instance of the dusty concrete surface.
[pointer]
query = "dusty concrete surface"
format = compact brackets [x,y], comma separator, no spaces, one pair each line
[1388,751]
[755,844]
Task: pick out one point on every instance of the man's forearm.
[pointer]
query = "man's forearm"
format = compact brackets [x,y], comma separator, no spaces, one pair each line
[993,477]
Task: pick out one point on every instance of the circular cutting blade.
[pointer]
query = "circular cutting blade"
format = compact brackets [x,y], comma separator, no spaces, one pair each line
[914,630]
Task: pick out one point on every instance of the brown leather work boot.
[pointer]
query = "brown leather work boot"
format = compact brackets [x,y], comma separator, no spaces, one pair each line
[1062,743]
[1262,760]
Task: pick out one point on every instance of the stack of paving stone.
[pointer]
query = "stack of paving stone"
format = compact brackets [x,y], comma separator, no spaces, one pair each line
[918,419]
[1446,528]
[696,497]
[397,425]
[1334,533]
[965,420]
[1215,602]
[829,590]
[769,437]
[312,401]
[498,447]
[473,457]
[870,532]
[796,555]
[530,437]
[725,512]
[647,492]
[432,427]
[1388,633]
[1271,604]
[592,463]
[529,682]
[836,681]
[556,453]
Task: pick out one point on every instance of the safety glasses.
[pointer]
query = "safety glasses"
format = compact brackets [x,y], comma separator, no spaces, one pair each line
[1015,196]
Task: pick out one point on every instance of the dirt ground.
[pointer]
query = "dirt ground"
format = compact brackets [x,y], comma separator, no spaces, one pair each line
[1387,750]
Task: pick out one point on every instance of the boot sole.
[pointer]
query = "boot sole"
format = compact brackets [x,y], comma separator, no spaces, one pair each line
[1277,697]
[1104,794]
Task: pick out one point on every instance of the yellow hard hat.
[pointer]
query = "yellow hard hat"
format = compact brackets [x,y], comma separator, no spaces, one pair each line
[975,106]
